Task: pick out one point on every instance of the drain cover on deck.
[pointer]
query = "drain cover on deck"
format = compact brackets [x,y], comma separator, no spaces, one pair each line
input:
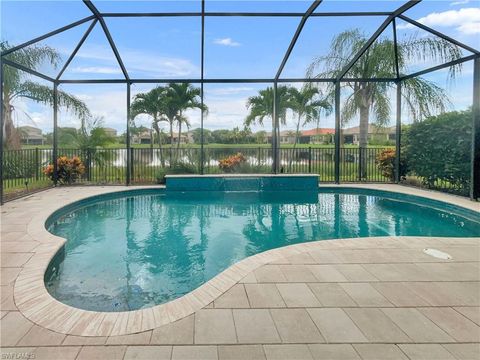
[437,253]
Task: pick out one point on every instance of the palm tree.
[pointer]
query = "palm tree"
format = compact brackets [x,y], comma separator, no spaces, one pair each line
[17,85]
[422,97]
[261,106]
[308,106]
[183,96]
[91,139]
[151,103]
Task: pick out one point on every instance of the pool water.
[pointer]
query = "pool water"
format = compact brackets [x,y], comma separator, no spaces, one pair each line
[127,252]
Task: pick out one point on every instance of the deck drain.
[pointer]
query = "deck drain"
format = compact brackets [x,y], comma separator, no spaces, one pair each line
[437,253]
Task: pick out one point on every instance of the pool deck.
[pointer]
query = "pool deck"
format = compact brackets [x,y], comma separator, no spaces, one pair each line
[368,298]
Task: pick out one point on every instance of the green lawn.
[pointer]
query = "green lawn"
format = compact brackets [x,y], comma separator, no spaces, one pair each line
[213,146]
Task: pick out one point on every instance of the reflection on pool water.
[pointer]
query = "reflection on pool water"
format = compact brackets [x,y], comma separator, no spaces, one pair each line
[126,252]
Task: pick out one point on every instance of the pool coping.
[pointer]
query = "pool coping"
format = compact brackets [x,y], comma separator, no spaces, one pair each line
[36,304]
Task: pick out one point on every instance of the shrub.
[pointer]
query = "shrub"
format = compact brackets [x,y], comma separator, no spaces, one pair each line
[68,169]
[178,168]
[439,149]
[19,164]
[232,163]
[386,164]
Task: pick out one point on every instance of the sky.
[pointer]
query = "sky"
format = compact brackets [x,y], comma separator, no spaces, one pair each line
[235,47]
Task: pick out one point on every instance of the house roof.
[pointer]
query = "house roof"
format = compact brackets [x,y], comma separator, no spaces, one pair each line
[318,131]
[28,127]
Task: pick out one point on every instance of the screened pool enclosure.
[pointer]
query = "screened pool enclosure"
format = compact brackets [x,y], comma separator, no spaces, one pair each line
[285,44]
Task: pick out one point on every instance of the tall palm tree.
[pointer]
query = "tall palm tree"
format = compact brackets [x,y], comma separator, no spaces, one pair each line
[184,96]
[307,105]
[16,84]
[151,103]
[261,106]
[422,97]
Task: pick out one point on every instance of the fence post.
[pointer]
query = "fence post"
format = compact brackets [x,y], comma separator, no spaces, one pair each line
[309,159]
[37,164]
[361,164]
[398,133]
[1,130]
[131,165]
[55,133]
[89,165]
[337,133]
[475,155]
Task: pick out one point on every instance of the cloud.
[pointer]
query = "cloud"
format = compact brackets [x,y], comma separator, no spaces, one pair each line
[466,21]
[96,70]
[100,60]
[230,90]
[461,2]
[226,42]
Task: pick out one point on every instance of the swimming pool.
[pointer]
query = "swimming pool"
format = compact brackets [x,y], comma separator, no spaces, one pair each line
[135,249]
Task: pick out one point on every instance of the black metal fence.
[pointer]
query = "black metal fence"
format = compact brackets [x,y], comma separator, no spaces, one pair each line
[24,169]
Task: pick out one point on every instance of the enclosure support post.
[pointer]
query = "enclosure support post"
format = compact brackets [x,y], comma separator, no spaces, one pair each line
[337,132]
[1,130]
[202,58]
[475,171]
[398,132]
[127,140]
[275,146]
[55,132]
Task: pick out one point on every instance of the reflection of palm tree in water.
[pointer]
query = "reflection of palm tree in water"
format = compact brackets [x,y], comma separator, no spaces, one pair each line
[169,246]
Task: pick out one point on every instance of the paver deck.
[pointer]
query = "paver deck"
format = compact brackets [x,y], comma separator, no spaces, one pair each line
[368,298]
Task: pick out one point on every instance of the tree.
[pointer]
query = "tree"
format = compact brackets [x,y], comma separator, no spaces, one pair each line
[308,105]
[422,97]
[438,149]
[261,106]
[197,136]
[260,137]
[153,103]
[183,96]
[17,85]
[91,139]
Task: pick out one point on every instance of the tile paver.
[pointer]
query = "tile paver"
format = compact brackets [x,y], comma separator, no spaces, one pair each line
[13,327]
[179,332]
[453,323]
[380,352]
[236,297]
[296,326]
[472,313]
[61,353]
[417,326]
[364,294]
[288,352]
[298,273]
[194,353]
[335,326]
[101,353]
[333,352]
[38,336]
[331,295]
[464,351]
[376,326]
[264,296]
[241,352]
[148,353]
[297,295]
[426,352]
[214,326]
[255,326]
[269,274]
